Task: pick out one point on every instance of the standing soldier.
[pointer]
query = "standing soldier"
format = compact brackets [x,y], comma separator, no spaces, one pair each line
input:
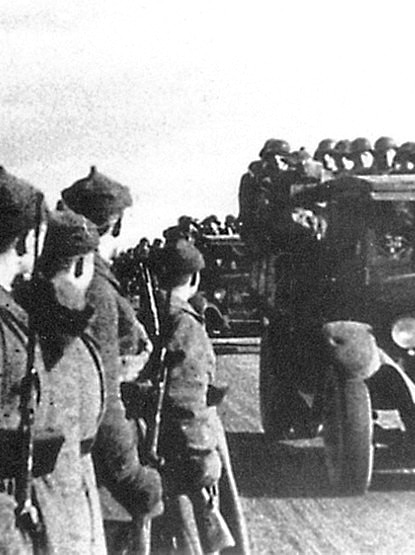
[124,347]
[192,439]
[52,391]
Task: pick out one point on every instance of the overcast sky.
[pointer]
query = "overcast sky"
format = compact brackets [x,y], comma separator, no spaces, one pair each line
[175,97]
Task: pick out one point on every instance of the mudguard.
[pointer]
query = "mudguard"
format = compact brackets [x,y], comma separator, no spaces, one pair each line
[352,347]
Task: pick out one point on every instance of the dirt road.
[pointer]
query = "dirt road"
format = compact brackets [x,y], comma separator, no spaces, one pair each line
[288,505]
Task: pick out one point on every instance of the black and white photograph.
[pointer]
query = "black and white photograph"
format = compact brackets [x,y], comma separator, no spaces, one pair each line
[207,277]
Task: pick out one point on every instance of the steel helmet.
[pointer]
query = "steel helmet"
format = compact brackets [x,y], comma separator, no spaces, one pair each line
[405,151]
[385,143]
[359,145]
[324,147]
[275,147]
[343,147]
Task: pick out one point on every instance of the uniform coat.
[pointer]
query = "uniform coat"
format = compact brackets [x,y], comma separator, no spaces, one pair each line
[190,424]
[66,422]
[118,332]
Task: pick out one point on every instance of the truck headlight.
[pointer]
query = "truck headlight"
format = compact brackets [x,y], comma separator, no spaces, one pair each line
[403,332]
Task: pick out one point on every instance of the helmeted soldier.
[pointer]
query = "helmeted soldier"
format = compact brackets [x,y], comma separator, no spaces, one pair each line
[325,154]
[404,161]
[361,154]
[59,494]
[306,168]
[341,155]
[123,344]
[192,441]
[385,149]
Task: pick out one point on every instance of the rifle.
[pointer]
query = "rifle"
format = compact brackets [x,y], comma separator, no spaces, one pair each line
[158,368]
[27,515]
[139,540]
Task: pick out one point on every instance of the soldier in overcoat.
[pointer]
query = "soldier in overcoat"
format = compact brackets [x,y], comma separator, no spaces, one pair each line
[122,342]
[62,490]
[192,439]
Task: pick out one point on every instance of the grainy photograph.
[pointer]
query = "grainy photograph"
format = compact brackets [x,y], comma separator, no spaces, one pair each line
[207,277]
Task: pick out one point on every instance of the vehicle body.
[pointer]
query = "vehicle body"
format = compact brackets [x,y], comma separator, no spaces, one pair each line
[337,286]
[231,303]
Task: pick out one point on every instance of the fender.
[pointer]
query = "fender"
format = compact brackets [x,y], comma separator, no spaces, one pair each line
[352,348]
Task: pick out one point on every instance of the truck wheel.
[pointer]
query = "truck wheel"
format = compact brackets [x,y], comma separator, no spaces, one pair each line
[273,400]
[348,435]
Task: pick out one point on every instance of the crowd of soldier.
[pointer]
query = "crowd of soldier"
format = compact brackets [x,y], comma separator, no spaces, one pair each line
[68,331]
[266,187]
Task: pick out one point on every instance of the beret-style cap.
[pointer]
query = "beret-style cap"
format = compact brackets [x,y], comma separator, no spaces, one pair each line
[69,235]
[97,197]
[182,258]
[18,206]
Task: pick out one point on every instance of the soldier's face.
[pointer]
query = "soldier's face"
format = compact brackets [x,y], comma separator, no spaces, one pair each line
[71,283]
[390,156]
[330,162]
[367,159]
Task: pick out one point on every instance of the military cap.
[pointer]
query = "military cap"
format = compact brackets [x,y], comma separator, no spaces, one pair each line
[69,234]
[182,258]
[18,206]
[97,197]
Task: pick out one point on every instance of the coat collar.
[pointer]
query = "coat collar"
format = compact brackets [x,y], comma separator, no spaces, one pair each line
[179,305]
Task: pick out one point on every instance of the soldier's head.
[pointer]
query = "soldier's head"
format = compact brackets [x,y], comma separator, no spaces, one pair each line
[23,222]
[182,263]
[299,159]
[276,151]
[361,154]
[404,161]
[325,154]
[341,155]
[67,260]
[385,151]
[103,201]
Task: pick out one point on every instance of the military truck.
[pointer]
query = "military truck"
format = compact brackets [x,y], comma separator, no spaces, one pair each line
[232,309]
[336,287]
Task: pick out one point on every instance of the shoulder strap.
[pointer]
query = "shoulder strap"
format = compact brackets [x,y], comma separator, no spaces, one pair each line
[19,329]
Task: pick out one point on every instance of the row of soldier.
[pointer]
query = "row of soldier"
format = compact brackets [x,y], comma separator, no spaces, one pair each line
[126,263]
[266,186]
[69,338]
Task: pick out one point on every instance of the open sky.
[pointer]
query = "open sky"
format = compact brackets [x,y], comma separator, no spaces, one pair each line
[175,98]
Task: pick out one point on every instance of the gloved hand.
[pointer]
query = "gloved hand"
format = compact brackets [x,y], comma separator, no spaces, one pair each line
[142,495]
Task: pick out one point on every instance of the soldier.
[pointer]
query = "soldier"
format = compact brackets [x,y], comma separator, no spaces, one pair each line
[192,440]
[307,170]
[341,155]
[404,161]
[48,501]
[124,347]
[186,228]
[325,154]
[361,154]
[385,152]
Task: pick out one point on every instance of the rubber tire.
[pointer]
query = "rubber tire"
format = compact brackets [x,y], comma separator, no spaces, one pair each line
[348,435]
[274,417]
